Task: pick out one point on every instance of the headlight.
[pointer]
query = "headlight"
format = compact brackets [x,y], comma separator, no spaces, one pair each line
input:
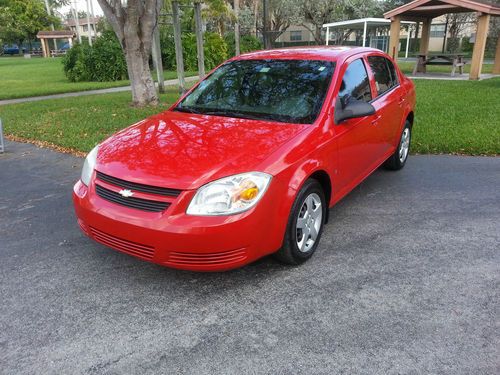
[229,195]
[89,165]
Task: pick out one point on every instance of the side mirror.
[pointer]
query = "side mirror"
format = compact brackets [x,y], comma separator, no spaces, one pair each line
[352,109]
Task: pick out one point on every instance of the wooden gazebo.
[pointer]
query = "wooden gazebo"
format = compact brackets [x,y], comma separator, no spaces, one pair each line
[425,10]
[44,37]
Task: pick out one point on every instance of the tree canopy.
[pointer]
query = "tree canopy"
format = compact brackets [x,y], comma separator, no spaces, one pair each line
[20,20]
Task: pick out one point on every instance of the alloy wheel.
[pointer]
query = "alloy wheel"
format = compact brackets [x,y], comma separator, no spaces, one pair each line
[309,222]
[404,145]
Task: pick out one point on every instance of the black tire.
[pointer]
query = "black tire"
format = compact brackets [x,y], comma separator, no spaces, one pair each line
[395,162]
[290,253]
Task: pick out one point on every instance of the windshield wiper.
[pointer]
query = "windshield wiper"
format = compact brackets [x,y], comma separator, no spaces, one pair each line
[187,110]
[226,113]
[233,114]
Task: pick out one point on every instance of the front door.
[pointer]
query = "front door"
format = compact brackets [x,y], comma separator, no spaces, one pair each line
[358,140]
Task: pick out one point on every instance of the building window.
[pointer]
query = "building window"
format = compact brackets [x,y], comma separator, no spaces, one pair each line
[437,31]
[295,36]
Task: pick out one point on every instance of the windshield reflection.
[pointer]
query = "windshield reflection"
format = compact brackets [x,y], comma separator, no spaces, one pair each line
[289,91]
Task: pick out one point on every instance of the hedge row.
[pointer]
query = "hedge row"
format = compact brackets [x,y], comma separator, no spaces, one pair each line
[104,60]
[216,49]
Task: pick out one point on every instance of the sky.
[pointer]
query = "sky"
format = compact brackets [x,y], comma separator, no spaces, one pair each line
[82,5]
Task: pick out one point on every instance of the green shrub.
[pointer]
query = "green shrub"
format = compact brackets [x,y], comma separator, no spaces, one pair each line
[107,59]
[214,48]
[453,45]
[73,63]
[467,46]
[101,62]
[248,43]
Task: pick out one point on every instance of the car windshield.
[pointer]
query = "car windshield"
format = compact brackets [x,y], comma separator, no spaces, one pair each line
[290,91]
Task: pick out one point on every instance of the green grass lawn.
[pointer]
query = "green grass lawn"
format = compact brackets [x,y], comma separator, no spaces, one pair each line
[457,117]
[460,117]
[77,123]
[407,68]
[20,78]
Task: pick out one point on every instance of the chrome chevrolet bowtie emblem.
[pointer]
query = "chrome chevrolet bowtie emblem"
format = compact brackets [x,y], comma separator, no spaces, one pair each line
[126,193]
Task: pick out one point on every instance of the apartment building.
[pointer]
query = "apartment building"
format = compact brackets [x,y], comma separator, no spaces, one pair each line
[82,25]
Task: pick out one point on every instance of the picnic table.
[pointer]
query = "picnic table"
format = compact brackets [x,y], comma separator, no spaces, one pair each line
[456,60]
[57,52]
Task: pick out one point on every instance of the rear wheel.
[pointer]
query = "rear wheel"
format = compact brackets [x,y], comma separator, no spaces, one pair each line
[305,225]
[398,159]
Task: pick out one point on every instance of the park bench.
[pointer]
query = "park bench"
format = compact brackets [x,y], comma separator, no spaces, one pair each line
[455,60]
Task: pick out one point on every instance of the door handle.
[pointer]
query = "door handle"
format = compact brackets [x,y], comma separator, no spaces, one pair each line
[401,100]
[375,120]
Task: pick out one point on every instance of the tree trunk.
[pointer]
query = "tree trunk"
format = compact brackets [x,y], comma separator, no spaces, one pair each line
[134,23]
[256,17]
[141,80]
[20,45]
[137,54]
[316,32]
[317,35]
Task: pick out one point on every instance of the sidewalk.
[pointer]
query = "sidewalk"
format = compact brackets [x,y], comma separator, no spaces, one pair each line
[170,82]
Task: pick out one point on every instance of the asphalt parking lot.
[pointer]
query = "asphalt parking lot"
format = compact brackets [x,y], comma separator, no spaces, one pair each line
[406,281]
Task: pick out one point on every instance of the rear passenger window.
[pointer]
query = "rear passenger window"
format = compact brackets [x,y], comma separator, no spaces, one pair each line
[392,70]
[384,72]
[355,83]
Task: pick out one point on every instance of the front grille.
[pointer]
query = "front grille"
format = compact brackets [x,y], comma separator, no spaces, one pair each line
[138,203]
[206,259]
[132,248]
[138,187]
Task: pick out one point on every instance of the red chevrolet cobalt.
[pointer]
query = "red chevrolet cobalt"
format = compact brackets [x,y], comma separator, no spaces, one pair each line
[248,162]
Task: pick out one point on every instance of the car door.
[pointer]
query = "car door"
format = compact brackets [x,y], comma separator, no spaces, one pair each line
[358,141]
[389,100]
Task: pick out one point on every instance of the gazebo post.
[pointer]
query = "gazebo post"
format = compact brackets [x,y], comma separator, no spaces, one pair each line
[483,21]
[44,47]
[496,65]
[426,34]
[407,42]
[394,36]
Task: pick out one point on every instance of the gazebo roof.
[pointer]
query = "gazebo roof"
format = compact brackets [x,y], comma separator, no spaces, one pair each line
[57,34]
[418,9]
[359,23]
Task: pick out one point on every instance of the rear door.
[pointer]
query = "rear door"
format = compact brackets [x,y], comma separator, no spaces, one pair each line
[389,100]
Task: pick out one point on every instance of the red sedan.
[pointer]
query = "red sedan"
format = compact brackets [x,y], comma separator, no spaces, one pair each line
[248,162]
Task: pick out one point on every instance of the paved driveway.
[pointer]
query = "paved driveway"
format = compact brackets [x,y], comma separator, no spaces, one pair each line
[406,280]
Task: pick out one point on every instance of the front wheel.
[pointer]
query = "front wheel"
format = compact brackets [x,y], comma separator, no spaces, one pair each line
[398,159]
[305,225]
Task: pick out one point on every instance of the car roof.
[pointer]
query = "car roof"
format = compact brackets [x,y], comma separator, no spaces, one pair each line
[331,53]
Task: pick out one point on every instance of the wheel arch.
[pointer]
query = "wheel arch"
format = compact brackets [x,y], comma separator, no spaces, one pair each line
[410,117]
[310,168]
[326,183]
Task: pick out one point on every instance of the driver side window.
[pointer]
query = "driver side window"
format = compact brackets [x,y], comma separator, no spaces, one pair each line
[355,83]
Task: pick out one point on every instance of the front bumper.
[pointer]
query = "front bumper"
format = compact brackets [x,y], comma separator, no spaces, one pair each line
[172,238]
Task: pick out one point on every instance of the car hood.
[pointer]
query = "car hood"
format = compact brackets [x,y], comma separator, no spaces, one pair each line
[184,151]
